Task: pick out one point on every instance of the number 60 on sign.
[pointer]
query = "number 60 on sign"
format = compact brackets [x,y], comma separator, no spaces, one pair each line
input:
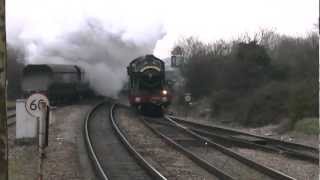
[33,104]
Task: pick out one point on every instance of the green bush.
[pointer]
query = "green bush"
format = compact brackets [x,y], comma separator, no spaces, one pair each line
[303,101]
[307,126]
[224,101]
[267,105]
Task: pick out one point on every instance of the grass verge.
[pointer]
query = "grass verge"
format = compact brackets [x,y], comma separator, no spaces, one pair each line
[307,126]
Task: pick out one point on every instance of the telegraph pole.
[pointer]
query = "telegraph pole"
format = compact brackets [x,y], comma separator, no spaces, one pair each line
[3,97]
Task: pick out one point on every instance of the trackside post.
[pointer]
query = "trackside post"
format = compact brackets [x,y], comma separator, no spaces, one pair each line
[43,120]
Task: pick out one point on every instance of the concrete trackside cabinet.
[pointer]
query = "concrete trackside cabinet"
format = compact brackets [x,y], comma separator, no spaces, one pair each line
[26,125]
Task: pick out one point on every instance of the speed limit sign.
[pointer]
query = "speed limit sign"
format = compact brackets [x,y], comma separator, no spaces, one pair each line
[33,104]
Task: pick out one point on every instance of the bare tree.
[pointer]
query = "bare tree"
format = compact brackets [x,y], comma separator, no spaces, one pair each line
[3,113]
[177,50]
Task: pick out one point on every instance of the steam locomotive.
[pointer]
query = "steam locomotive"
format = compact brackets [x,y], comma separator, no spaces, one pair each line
[60,83]
[148,89]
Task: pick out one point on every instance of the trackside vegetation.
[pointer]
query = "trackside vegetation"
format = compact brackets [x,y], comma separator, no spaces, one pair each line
[258,80]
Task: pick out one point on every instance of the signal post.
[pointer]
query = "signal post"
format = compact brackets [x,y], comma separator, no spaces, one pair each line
[37,105]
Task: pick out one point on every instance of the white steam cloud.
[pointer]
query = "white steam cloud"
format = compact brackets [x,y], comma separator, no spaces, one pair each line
[102,52]
[100,36]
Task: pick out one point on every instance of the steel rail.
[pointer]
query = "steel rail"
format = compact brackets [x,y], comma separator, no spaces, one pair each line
[226,140]
[235,131]
[88,141]
[150,169]
[259,167]
[11,108]
[201,162]
[12,122]
[11,116]
[245,143]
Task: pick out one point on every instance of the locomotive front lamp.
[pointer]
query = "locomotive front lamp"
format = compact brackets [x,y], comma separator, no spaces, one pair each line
[164,92]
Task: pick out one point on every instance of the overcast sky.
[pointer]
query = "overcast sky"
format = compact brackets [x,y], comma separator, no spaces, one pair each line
[140,20]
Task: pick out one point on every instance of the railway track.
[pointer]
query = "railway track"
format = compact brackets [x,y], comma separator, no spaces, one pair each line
[111,153]
[225,163]
[10,116]
[232,137]
[173,163]
[198,160]
[11,108]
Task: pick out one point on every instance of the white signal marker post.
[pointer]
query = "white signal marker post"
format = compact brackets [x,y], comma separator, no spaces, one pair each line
[38,106]
[187,99]
[42,134]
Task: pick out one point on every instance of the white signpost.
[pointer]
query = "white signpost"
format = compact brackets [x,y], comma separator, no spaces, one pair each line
[37,105]
[32,121]
[187,97]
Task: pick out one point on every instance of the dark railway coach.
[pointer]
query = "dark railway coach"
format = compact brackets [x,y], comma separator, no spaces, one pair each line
[61,83]
[147,83]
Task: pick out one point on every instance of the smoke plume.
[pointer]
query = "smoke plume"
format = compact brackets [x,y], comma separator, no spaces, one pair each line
[103,52]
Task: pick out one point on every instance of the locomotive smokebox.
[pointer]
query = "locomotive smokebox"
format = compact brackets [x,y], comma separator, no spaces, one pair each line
[147,83]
